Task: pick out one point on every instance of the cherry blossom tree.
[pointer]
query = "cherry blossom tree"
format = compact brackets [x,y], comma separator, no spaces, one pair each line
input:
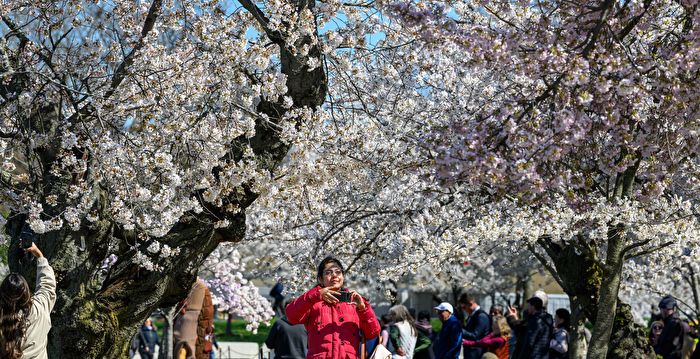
[395,135]
[223,272]
[587,129]
[140,131]
[568,127]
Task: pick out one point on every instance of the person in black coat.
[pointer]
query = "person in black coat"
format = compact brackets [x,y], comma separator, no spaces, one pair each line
[670,343]
[477,325]
[425,335]
[147,338]
[289,341]
[533,332]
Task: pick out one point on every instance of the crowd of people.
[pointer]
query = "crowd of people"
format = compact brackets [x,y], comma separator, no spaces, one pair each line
[492,334]
[332,322]
[334,328]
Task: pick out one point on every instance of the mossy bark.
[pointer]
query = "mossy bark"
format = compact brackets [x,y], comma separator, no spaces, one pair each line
[580,273]
[607,296]
[628,340]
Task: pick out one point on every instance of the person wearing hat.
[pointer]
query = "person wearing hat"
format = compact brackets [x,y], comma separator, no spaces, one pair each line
[533,332]
[670,342]
[449,342]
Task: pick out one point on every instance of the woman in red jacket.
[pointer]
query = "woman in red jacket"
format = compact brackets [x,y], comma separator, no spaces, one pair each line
[495,342]
[333,325]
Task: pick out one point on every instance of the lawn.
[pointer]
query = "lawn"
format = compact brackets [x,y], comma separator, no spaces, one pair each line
[239,333]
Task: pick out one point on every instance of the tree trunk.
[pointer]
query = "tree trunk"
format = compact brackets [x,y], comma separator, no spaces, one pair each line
[578,344]
[607,301]
[628,340]
[229,323]
[580,273]
[166,346]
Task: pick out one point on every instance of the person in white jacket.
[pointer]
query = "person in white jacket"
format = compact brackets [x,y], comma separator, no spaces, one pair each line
[403,334]
[24,332]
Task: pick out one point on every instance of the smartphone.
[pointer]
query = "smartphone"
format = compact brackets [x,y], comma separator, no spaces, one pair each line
[26,238]
[344,296]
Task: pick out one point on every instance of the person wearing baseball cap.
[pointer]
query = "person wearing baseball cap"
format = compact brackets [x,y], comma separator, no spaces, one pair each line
[449,342]
[670,342]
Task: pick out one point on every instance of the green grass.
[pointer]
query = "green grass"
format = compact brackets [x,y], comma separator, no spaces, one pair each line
[239,333]
[437,325]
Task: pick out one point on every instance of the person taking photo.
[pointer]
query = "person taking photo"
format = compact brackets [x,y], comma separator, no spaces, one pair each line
[333,316]
[26,316]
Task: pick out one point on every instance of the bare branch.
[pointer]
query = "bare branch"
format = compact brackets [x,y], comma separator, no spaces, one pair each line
[650,250]
[253,9]
[546,264]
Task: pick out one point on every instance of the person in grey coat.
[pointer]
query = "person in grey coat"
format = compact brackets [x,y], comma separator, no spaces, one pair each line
[25,332]
[289,341]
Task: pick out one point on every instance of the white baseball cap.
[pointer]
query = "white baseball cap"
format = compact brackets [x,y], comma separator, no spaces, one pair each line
[445,306]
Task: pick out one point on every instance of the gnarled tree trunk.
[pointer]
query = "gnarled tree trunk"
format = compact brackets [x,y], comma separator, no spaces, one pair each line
[98,310]
[583,277]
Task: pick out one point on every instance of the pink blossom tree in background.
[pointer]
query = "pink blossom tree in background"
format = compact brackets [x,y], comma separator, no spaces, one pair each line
[587,136]
[570,128]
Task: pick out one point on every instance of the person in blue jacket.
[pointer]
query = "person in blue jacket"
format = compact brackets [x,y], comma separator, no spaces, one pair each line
[148,339]
[477,325]
[449,342]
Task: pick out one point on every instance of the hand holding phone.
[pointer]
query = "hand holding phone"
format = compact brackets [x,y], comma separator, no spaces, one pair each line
[345,296]
[26,237]
[34,250]
[512,312]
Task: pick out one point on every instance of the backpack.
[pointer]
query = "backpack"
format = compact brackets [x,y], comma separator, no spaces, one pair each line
[208,346]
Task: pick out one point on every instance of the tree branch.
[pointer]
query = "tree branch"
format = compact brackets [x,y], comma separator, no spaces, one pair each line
[546,264]
[650,250]
[253,9]
[121,72]
[604,8]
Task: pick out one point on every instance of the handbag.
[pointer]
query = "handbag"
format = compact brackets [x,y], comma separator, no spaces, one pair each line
[380,351]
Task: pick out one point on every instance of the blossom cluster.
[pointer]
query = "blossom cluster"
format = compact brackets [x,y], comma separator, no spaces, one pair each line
[231,291]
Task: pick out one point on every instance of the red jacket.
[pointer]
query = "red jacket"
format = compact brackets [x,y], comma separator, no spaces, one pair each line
[492,343]
[333,329]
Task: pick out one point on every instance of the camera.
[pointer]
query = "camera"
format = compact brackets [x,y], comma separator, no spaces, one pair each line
[344,296]
[26,237]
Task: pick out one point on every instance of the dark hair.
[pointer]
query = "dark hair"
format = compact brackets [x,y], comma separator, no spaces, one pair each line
[424,315]
[564,314]
[496,310]
[322,265]
[386,319]
[536,302]
[652,336]
[466,298]
[15,304]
